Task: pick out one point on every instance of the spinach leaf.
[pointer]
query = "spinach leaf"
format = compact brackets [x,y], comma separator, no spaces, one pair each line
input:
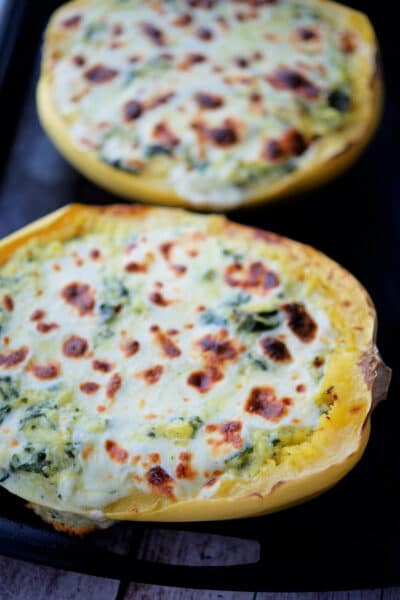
[4,410]
[247,322]
[258,361]
[94,30]
[196,423]
[8,389]
[234,254]
[339,100]
[240,298]
[115,296]
[157,150]
[209,317]
[4,475]
[38,411]
[209,275]
[117,163]
[35,462]
[43,461]
[241,459]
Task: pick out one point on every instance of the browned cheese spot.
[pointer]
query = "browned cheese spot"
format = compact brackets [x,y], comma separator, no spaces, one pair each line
[46,327]
[193,58]
[154,34]
[130,348]
[348,42]
[154,457]
[318,362]
[203,381]
[160,481]
[116,452]
[182,20]
[37,315]
[290,80]
[80,296]
[167,345]
[136,267]
[45,371]
[241,62]
[256,277]
[292,143]
[159,100]
[104,366]
[153,374]
[164,136]
[300,322]
[100,74]
[231,433]
[273,151]
[8,303]
[275,349]
[11,359]
[117,29]
[218,348]
[75,347]
[184,469]
[264,403]
[166,249]
[179,269]
[89,387]
[87,451]
[95,254]
[223,136]
[72,22]
[204,33]
[209,101]
[113,386]
[132,110]
[307,34]
[158,299]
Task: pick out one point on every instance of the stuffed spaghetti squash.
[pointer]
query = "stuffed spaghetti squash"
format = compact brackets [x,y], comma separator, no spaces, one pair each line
[160,365]
[209,104]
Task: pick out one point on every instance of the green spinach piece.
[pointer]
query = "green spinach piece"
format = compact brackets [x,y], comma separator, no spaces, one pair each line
[196,423]
[157,150]
[4,475]
[241,459]
[247,322]
[209,317]
[239,299]
[8,389]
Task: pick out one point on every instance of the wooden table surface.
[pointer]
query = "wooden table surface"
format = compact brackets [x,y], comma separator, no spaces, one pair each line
[23,581]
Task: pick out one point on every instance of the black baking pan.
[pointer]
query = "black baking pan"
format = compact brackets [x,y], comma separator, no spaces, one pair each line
[347,538]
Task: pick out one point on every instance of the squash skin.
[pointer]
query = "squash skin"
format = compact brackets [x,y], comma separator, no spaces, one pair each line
[370,375]
[147,188]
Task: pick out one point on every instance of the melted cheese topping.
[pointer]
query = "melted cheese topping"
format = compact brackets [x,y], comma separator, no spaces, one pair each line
[164,362]
[215,97]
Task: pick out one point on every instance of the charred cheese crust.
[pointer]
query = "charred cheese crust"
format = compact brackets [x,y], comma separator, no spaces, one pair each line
[160,365]
[209,104]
